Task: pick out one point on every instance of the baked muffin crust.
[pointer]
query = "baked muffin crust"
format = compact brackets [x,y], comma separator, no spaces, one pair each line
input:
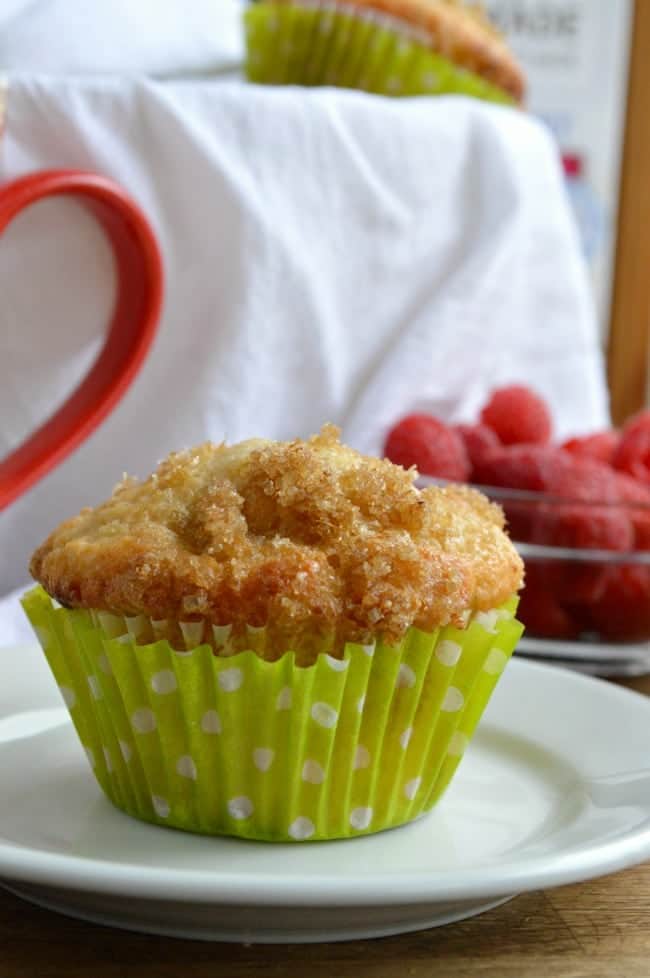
[303,537]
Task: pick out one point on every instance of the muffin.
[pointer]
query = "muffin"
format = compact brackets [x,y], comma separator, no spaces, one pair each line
[391,47]
[277,640]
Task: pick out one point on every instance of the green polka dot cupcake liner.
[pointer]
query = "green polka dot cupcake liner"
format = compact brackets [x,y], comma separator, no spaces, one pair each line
[324,43]
[236,745]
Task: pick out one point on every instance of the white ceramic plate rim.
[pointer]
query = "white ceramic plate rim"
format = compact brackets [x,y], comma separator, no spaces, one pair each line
[523,874]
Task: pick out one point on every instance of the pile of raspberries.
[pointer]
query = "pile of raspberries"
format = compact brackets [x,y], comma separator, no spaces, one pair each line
[590,492]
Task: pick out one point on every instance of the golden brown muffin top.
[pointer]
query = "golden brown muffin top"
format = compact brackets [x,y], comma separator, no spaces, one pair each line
[459,31]
[305,537]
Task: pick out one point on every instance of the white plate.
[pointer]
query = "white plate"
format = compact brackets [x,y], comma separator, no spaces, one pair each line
[554,789]
[594,658]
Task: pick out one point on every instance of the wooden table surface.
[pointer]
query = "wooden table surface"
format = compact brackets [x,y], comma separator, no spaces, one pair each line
[590,930]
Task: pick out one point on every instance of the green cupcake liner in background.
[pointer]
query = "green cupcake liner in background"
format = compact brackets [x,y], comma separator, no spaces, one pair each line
[236,745]
[328,44]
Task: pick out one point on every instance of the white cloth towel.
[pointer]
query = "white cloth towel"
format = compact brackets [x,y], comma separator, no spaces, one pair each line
[155,37]
[330,256]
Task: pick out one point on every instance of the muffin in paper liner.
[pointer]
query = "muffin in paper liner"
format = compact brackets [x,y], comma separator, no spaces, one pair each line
[235,745]
[321,43]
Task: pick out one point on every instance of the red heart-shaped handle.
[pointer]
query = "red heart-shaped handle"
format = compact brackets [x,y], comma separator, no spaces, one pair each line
[139,276]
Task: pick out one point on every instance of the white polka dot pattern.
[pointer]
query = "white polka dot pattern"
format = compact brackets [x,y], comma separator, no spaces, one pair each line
[405,737]
[104,664]
[211,722]
[69,696]
[495,662]
[160,806]
[457,744]
[411,788]
[361,757]
[360,818]
[324,714]
[186,767]
[405,677]
[263,758]
[313,772]
[301,828]
[338,665]
[143,720]
[487,620]
[192,634]
[164,682]
[283,701]
[453,701]
[137,625]
[221,634]
[448,653]
[327,723]
[230,680]
[241,808]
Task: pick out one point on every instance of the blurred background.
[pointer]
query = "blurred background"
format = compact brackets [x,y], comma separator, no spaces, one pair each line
[589,80]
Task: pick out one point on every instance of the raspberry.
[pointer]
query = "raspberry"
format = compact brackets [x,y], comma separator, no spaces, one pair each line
[590,519]
[631,491]
[623,611]
[573,527]
[518,415]
[600,446]
[518,466]
[638,422]
[633,452]
[584,526]
[478,440]
[577,478]
[430,445]
[540,610]
[635,498]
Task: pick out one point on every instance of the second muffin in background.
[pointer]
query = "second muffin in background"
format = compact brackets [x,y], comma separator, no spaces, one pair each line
[389,47]
[281,641]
